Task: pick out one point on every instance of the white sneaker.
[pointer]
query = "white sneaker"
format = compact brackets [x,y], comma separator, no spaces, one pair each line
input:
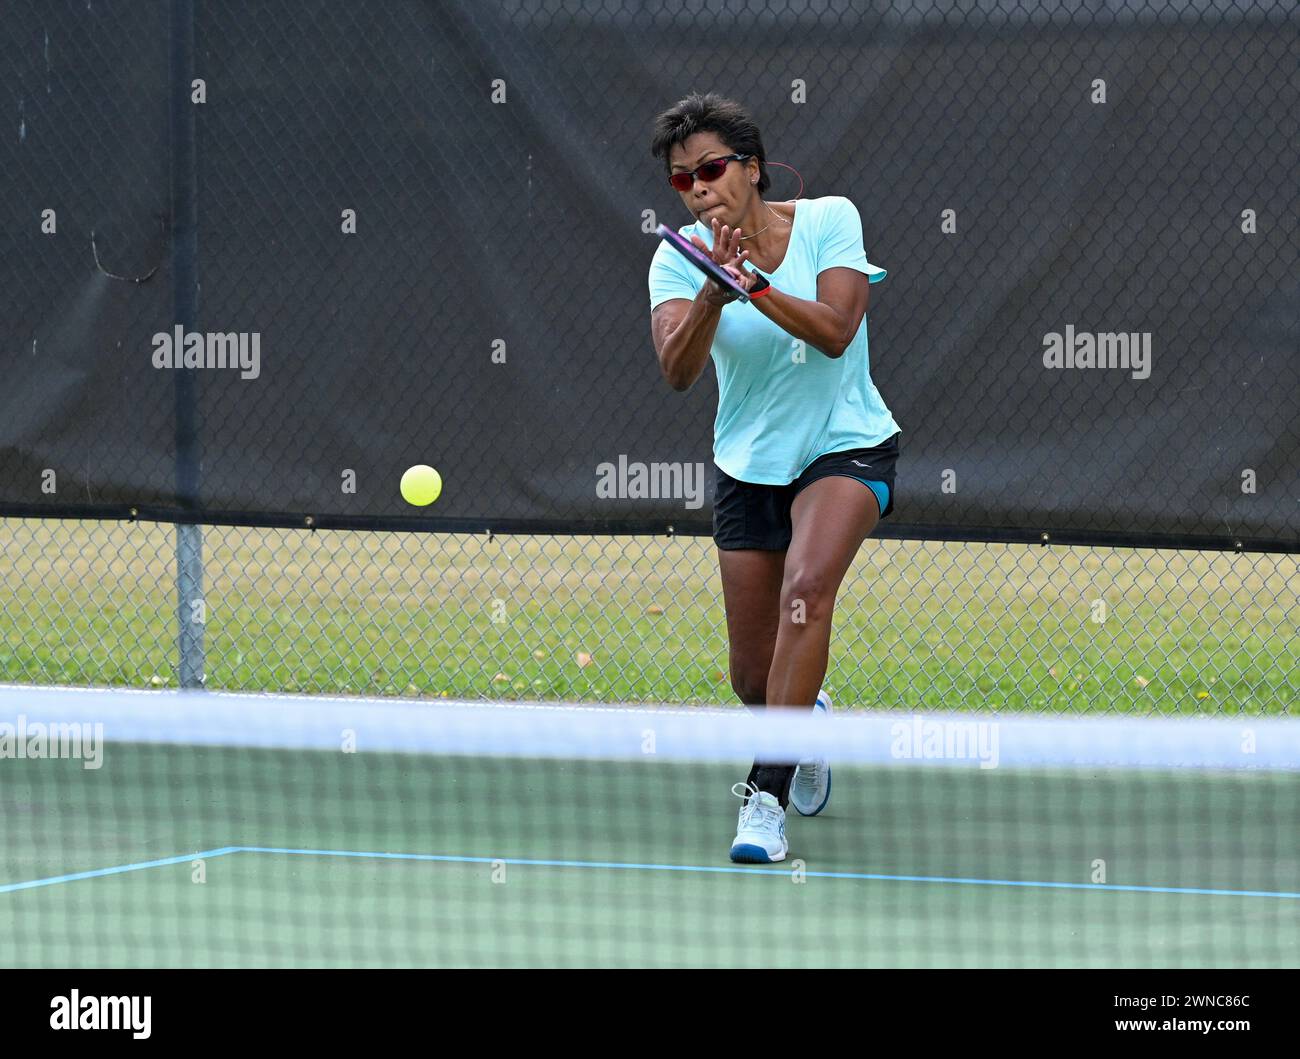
[760,832]
[810,789]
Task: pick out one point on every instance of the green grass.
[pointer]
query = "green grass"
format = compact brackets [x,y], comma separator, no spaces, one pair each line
[918,625]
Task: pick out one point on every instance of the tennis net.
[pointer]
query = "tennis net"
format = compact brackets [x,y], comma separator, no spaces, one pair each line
[164,829]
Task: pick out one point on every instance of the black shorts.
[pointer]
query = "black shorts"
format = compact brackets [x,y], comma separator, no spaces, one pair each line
[746,515]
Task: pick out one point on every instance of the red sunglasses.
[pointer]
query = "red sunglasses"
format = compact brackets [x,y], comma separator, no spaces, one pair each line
[708,172]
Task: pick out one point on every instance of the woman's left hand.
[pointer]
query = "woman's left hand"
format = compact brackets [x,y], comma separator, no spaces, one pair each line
[726,252]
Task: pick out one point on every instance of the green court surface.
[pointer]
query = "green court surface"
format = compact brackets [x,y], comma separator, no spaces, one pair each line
[909,866]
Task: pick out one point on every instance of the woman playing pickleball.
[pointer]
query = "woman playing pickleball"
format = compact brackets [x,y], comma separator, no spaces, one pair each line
[804,446]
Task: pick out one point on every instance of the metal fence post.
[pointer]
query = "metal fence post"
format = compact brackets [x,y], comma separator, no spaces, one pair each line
[191,610]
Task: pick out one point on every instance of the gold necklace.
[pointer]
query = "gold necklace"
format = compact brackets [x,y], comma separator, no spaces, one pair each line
[766,226]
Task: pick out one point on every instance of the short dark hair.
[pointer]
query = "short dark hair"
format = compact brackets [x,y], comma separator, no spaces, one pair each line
[710,113]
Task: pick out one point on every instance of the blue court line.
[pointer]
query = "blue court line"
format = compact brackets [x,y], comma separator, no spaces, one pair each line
[622,865]
[120,869]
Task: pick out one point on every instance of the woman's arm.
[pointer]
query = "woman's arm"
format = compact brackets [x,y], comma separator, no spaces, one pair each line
[683,335]
[829,323]
[683,329]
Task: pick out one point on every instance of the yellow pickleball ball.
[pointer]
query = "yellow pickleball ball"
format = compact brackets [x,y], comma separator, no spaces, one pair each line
[421,485]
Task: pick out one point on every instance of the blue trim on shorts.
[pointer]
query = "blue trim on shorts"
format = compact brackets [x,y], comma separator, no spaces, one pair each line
[879,488]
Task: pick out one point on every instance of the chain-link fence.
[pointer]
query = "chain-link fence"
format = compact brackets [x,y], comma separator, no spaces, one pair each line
[939,625]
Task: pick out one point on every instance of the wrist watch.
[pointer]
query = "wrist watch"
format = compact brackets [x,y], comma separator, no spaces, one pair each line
[761,286]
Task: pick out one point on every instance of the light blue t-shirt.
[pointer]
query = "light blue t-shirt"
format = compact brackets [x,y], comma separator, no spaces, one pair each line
[783,403]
